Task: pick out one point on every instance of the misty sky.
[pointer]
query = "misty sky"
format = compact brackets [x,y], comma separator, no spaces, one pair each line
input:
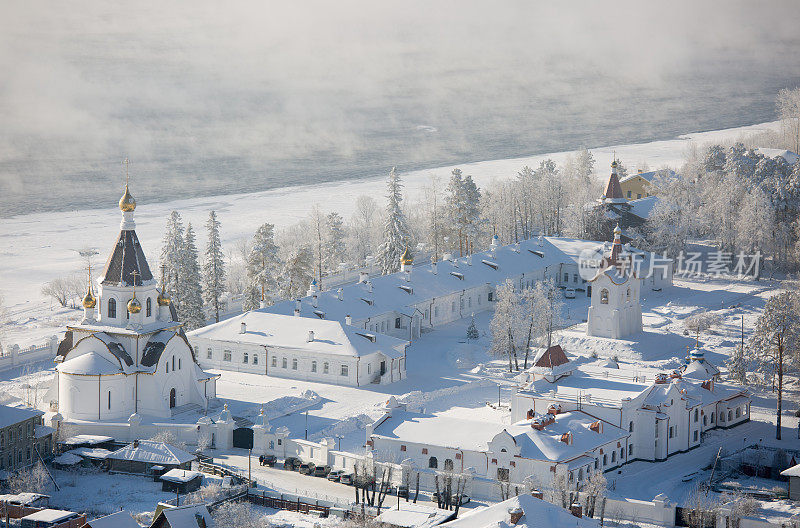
[208,99]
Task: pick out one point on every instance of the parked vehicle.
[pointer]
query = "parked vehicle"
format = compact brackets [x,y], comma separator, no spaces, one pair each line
[402,491]
[268,460]
[464,498]
[569,293]
[321,471]
[335,475]
[292,463]
[346,478]
[307,468]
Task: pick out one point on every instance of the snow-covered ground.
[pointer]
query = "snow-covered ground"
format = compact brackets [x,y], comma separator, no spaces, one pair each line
[39,247]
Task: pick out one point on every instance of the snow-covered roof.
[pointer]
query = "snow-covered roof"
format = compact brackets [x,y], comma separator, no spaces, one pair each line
[120,519]
[180,475]
[153,452]
[288,331]
[460,433]
[90,363]
[793,471]
[96,453]
[67,459]
[25,498]
[86,439]
[49,516]
[648,176]
[393,293]
[13,415]
[535,513]
[790,157]
[602,386]
[699,368]
[186,516]
[412,515]
[643,207]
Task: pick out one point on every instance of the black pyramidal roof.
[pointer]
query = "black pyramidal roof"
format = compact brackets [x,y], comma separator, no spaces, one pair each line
[127,257]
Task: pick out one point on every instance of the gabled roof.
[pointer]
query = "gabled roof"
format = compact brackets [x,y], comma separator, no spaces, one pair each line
[288,331]
[552,357]
[120,519]
[150,451]
[535,513]
[126,257]
[189,516]
[13,415]
[648,176]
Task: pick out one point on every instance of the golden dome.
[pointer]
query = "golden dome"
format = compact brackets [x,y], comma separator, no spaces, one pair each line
[617,230]
[406,257]
[89,301]
[614,164]
[134,306]
[127,203]
[163,298]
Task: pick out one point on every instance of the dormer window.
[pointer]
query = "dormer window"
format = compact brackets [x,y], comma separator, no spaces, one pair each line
[604,296]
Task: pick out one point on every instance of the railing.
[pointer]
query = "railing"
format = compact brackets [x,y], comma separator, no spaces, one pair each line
[279,503]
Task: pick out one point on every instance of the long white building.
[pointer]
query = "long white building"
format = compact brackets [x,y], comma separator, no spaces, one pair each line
[302,348]
[417,298]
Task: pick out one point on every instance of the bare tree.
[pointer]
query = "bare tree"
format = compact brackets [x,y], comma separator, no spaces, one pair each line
[32,479]
[789,111]
[701,322]
[59,289]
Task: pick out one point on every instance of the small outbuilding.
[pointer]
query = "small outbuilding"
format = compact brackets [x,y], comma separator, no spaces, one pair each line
[181,480]
[67,461]
[47,518]
[90,441]
[31,500]
[140,456]
[120,519]
[189,516]
[793,474]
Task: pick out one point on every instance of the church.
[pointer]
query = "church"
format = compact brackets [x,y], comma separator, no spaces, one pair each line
[129,355]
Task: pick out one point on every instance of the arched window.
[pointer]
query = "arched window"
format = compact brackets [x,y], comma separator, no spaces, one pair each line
[605,460]
[255,359]
[112,308]
[604,296]
[433,463]
[244,358]
[149,308]
[448,465]
[613,456]
[630,427]
[580,474]
[172,398]
[629,294]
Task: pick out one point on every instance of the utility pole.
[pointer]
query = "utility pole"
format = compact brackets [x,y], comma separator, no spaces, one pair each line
[306,435]
[249,462]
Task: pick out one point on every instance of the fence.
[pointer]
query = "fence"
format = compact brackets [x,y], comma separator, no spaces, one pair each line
[16,356]
[279,503]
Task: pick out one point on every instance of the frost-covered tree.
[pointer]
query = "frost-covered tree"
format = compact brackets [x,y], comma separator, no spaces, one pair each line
[506,328]
[472,331]
[577,174]
[395,229]
[737,366]
[701,322]
[213,266]
[316,224]
[775,342]
[298,272]
[172,255]
[433,215]
[541,315]
[789,111]
[335,241]
[191,308]
[263,266]
[364,229]
[462,212]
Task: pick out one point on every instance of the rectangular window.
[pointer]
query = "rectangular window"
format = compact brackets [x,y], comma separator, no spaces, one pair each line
[325,368]
[453,307]
[179,363]
[344,370]
[285,363]
[402,448]
[695,436]
[696,415]
[461,301]
[491,296]
[575,278]
[227,355]
[274,361]
[369,368]
[630,450]
[656,429]
[436,311]
[397,322]
[426,315]
[255,359]
[208,353]
[313,366]
[629,194]
[245,358]
[294,363]
[469,302]
[670,431]
[566,277]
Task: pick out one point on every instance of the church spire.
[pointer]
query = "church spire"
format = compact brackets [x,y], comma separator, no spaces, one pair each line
[616,247]
[613,188]
[127,204]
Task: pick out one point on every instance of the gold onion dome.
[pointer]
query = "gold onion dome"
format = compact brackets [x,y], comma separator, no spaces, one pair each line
[134,306]
[127,203]
[89,301]
[614,164]
[406,257]
[163,298]
[617,230]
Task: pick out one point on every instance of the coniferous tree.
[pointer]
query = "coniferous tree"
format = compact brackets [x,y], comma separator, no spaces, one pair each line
[472,330]
[172,255]
[263,266]
[395,230]
[298,272]
[335,248]
[213,266]
[191,309]
[737,366]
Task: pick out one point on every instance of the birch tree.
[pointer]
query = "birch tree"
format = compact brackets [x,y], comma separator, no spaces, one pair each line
[213,266]
[505,325]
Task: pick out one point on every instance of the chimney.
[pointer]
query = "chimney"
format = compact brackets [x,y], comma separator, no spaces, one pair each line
[640,171]
[243,328]
[515,514]
[576,509]
[433,267]
[567,438]
[530,414]
[340,294]
[310,336]
[597,427]
[363,276]
[348,320]
[537,494]
[369,286]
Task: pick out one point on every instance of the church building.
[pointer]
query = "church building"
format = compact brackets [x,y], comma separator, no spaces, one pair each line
[129,355]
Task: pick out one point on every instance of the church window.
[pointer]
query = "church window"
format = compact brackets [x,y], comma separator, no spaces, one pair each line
[112,308]
[325,368]
[294,363]
[436,311]
[109,399]
[629,194]
[469,302]
[344,370]
[227,355]
[255,359]
[433,463]
[244,358]
[630,427]
[272,444]
[285,363]
[448,464]
[167,367]
[369,368]
[397,322]
[313,366]
[696,415]
[613,457]
[426,315]
[630,450]
[695,436]
[705,420]
[461,301]
[605,460]
[604,296]
[208,353]
[738,412]
[28,453]
[149,308]
[580,474]
[173,362]
[453,307]
[575,278]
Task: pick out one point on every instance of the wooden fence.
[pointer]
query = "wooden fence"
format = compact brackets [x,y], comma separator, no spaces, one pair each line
[279,503]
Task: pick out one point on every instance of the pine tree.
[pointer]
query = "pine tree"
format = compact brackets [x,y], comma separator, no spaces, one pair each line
[263,265]
[213,266]
[472,213]
[298,273]
[737,366]
[191,309]
[335,248]
[472,331]
[171,256]
[395,230]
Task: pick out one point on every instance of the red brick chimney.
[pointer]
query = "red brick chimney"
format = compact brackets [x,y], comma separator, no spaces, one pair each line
[576,509]
[537,494]
[515,514]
